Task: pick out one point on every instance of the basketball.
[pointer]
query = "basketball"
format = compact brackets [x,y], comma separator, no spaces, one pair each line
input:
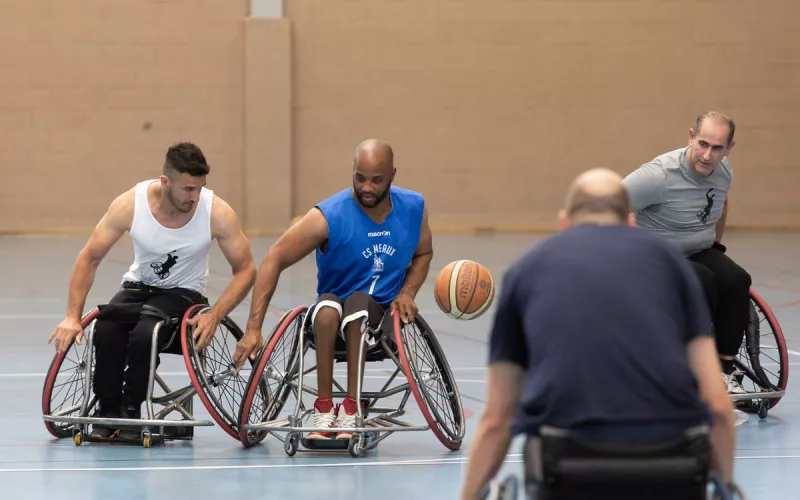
[464,289]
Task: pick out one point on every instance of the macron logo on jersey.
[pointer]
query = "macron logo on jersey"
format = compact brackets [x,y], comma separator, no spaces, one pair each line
[379,233]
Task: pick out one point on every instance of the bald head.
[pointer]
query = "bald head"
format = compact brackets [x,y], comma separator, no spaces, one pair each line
[373,173]
[597,194]
[374,153]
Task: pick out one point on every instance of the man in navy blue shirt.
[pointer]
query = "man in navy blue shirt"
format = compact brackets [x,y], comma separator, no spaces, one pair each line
[602,329]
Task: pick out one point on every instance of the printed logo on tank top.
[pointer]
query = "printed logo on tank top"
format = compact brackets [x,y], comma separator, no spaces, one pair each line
[161,269]
[704,213]
[378,252]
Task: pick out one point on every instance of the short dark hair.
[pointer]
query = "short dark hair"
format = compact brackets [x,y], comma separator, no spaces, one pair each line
[186,158]
[583,203]
[715,115]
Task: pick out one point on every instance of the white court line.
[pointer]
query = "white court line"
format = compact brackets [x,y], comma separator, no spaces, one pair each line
[243,372]
[793,352]
[433,461]
[31,316]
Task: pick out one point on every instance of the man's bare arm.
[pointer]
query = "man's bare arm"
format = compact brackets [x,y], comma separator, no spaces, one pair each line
[297,242]
[108,231]
[421,262]
[704,364]
[493,435]
[226,228]
[720,227]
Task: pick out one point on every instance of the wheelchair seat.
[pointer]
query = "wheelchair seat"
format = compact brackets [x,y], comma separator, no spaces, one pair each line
[573,467]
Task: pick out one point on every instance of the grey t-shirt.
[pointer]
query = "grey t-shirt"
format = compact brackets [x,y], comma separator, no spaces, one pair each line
[671,199]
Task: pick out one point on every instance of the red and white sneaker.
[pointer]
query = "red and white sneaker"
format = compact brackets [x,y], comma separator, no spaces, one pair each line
[324,417]
[346,418]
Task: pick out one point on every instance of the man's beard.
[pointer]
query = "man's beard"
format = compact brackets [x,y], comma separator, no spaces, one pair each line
[378,199]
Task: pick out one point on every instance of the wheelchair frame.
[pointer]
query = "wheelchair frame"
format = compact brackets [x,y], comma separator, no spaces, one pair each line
[748,362]
[368,431]
[155,427]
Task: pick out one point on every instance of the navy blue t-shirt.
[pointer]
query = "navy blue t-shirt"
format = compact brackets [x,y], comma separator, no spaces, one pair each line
[599,317]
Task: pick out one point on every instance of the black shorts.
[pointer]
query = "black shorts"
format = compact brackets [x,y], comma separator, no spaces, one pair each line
[358,306]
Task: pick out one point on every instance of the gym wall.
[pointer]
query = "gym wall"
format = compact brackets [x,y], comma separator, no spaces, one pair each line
[492,106]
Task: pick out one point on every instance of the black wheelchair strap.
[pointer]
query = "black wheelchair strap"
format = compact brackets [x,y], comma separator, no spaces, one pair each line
[132,312]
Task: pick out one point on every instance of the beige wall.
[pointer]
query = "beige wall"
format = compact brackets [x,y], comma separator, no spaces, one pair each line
[492,106]
[94,92]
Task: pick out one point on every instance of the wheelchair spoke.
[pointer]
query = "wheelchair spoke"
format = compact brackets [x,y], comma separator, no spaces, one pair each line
[277,376]
[220,383]
[433,380]
[761,355]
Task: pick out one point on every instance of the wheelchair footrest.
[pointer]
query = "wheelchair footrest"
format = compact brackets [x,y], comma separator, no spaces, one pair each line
[757,395]
[335,444]
[121,440]
[128,422]
[325,444]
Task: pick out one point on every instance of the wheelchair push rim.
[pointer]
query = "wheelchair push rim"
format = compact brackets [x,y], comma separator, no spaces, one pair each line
[60,429]
[445,400]
[773,356]
[272,401]
[223,410]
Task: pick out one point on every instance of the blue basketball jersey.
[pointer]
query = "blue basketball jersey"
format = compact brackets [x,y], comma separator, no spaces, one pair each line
[363,255]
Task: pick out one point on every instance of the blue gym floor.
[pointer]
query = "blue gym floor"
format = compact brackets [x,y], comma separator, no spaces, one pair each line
[35,273]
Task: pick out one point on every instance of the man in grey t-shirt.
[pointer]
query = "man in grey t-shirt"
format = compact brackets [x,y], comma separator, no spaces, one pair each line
[682,195]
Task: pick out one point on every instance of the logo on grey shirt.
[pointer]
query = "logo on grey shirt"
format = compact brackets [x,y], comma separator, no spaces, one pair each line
[704,213]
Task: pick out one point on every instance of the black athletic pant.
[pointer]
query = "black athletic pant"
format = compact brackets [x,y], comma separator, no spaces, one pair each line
[119,344]
[727,288]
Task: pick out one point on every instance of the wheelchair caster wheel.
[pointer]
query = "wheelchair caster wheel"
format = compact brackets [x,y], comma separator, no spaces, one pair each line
[355,447]
[77,438]
[763,410]
[290,445]
[146,440]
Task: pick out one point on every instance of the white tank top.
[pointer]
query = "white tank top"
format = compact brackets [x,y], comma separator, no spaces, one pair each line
[170,258]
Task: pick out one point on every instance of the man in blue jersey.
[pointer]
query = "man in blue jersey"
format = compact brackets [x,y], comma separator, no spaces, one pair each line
[373,251]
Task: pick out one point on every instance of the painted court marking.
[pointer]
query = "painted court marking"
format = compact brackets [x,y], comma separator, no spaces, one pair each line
[432,461]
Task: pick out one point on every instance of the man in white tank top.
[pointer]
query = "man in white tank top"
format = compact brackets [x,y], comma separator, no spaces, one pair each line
[172,222]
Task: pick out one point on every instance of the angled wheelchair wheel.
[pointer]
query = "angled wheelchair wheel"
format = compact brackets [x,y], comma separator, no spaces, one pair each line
[270,381]
[763,355]
[431,380]
[64,385]
[211,371]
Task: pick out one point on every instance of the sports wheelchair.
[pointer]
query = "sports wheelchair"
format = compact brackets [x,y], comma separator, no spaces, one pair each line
[68,399]
[416,354]
[561,465]
[762,362]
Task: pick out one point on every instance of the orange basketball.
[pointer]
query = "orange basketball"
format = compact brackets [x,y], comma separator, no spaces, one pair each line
[464,289]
